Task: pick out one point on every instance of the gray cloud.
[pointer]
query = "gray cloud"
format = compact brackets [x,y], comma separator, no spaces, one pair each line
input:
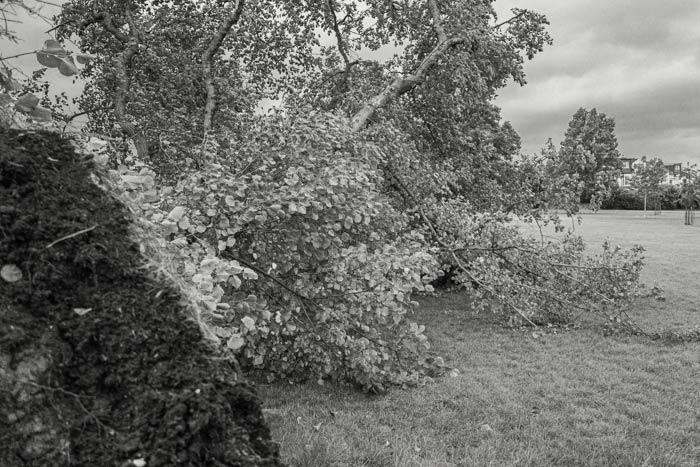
[637,61]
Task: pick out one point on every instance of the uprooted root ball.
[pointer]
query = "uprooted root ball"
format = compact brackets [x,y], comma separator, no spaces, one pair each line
[99,365]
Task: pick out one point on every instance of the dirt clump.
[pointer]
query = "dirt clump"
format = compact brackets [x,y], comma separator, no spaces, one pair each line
[99,365]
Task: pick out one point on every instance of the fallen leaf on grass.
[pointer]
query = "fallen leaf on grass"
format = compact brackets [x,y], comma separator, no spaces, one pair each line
[486,428]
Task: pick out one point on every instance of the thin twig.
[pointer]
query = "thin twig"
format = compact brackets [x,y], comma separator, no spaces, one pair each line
[77,397]
[18,55]
[508,21]
[74,234]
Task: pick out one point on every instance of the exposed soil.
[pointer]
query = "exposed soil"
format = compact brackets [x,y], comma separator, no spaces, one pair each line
[99,365]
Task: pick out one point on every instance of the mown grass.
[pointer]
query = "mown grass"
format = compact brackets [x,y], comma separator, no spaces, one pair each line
[570,398]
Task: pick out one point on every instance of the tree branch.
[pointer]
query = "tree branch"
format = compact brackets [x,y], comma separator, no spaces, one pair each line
[207,57]
[342,86]
[437,22]
[338,36]
[108,23]
[18,55]
[511,20]
[122,63]
[401,85]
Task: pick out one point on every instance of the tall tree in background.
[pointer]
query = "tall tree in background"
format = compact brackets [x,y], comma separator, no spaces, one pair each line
[648,176]
[590,150]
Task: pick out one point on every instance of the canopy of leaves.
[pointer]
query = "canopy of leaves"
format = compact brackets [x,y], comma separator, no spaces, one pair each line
[648,176]
[589,149]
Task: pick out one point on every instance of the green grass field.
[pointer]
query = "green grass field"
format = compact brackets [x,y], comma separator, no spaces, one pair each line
[572,398]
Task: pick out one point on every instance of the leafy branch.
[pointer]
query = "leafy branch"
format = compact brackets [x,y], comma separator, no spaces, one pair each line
[404,84]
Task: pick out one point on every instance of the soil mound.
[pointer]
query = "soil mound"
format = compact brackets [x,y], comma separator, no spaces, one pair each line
[99,365]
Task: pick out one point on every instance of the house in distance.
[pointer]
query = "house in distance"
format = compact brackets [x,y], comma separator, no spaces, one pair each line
[673,177]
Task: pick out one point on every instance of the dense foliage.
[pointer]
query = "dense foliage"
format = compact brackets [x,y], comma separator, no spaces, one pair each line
[669,198]
[302,232]
[589,149]
[648,176]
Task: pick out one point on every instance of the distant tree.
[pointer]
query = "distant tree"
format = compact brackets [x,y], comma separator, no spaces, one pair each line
[648,177]
[590,150]
[690,193]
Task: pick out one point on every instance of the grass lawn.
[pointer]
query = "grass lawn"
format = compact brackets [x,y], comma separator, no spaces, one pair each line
[574,398]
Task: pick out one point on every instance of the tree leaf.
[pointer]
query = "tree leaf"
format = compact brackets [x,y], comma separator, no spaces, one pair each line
[54,47]
[26,103]
[67,67]
[41,114]
[176,213]
[11,273]
[7,82]
[235,342]
[248,322]
[184,223]
[52,54]
[84,58]
[47,59]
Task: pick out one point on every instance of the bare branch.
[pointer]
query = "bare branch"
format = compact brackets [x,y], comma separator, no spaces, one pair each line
[74,234]
[18,55]
[207,57]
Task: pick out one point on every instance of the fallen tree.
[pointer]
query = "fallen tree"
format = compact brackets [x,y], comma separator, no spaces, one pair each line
[308,228]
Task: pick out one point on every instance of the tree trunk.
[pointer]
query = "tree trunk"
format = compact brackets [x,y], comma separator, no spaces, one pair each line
[645,204]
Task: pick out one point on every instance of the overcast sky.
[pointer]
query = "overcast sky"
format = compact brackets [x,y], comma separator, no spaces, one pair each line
[637,61]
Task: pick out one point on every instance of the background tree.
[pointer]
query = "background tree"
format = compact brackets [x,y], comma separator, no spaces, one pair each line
[589,149]
[648,177]
[690,192]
